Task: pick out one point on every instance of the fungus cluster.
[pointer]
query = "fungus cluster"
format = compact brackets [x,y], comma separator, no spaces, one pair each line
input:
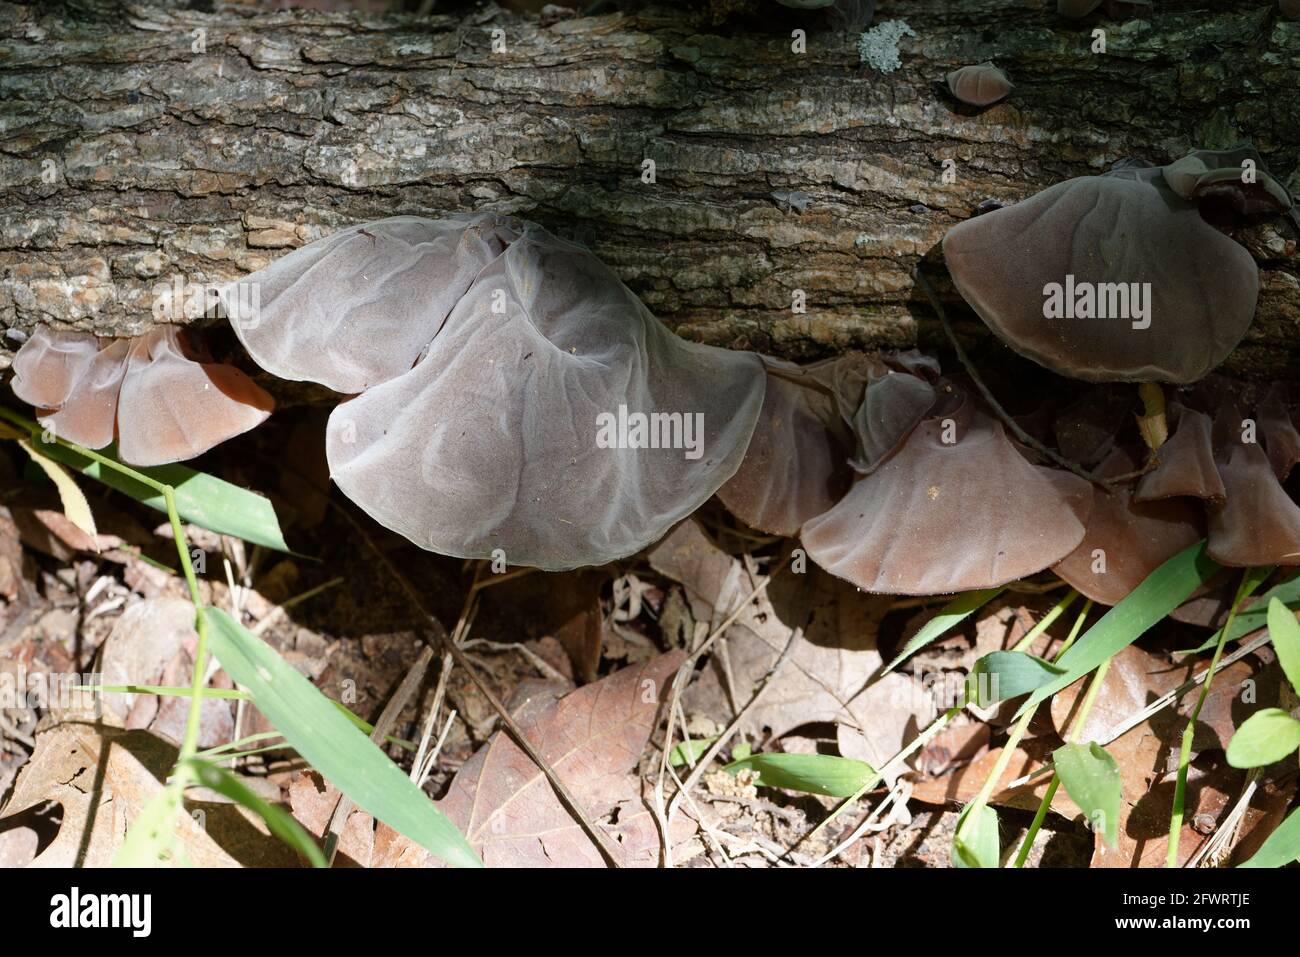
[938,499]
[155,395]
[1129,277]
[524,400]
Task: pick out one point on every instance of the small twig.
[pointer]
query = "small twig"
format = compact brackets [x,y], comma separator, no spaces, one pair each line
[1021,435]
[512,728]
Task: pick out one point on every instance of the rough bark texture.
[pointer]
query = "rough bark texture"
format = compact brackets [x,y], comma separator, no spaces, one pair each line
[290,125]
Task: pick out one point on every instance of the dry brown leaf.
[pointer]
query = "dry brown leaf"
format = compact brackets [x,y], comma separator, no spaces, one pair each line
[828,676]
[313,800]
[11,556]
[102,784]
[152,643]
[593,738]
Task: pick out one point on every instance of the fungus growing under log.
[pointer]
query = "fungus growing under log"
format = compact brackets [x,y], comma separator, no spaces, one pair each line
[956,507]
[516,399]
[155,395]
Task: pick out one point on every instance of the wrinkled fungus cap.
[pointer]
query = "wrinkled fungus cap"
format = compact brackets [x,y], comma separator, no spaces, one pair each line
[980,85]
[1231,187]
[1096,246]
[507,379]
[1127,540]
[937,518]
[1257,522]
[150,393]
[796,465]
[1186,462]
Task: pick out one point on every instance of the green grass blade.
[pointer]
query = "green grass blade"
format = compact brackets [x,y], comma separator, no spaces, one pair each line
[151,836]
[331,743]
[1281,847]
[1008,674]
[809,773]
[949,617]
[980,845]
[201,499]
[1159,593]
[1091,778]
[278,821]
[1284,630]
[1255,617]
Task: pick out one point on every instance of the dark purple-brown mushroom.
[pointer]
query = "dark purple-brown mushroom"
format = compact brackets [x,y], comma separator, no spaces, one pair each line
[1107,278]
[1127,540]
[1289,9]
[796,465]
[154,394]
[1230,187]
[1186,466]
[955,508]
[981,85]
[514,395]
[1257,523]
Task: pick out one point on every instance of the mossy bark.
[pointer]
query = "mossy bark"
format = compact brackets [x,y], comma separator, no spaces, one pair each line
[130,158]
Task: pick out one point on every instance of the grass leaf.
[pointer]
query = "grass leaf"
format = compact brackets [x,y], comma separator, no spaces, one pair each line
[1091,778]
[1254,617]
[1008,674]
[1281,847]
[201,499]
[278,821]
[979,844]
[331,743]
[1268,735]
[1285,632]
[1159,593]
[949,617]
[688,752]
[151,836]
[809,773]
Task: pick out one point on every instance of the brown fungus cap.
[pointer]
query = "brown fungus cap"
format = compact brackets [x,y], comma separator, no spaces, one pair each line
[358,308]
[1186,462]
[1100,246]
[1127,540]
[1289,9]
[817,421]
[1231,187]
[939,517]
[510,403]
[796,465]
[151,393]
[1257,523]
[981,85]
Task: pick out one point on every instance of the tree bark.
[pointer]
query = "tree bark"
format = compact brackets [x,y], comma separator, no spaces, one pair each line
[164,160]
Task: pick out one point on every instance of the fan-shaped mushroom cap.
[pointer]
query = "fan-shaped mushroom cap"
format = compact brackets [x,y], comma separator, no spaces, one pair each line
[796,465]
[1118,237]
[1186,462]
[1134,538]
[359,307]
[1218,178]
[161,405]
[529,368]
[1278,431]
[49,365]
[892,406]
[937,518]
[172,408]
[88,415]
[1257,524]
[980,85]
[1289,9]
